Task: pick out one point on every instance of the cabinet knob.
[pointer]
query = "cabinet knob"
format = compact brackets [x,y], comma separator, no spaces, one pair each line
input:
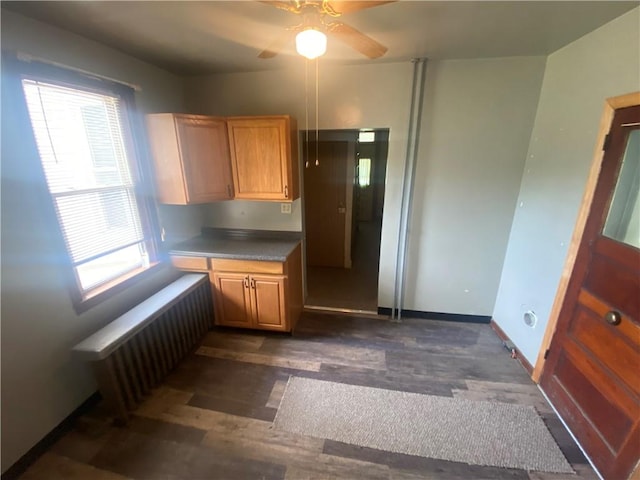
[613,317]
[246,282]
[286,191]
[253,284]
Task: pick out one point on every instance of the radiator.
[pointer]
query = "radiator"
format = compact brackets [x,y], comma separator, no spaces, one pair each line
[135,352]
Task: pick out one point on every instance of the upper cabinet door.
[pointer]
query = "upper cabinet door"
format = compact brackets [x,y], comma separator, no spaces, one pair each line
[204,143]
[264,157]
[191,156]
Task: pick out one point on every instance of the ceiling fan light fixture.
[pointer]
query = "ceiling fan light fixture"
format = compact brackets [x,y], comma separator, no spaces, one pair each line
[311,43]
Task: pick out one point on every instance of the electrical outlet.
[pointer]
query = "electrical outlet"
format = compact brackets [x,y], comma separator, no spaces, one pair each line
[285,208]
[530,318]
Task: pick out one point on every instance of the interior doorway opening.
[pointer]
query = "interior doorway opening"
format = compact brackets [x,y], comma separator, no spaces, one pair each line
[344,185]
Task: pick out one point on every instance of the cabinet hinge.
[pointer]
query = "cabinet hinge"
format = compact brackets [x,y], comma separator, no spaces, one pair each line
[546,353]
[607,141]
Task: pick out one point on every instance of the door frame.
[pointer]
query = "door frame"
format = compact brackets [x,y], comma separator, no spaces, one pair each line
[610,106]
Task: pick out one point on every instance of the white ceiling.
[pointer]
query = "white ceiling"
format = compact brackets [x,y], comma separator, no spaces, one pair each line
[188,37]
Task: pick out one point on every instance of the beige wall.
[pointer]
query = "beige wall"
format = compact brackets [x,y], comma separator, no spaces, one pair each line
[41,383]
[577,80]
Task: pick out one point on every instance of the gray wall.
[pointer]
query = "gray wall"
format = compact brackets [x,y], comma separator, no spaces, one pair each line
[477,120]
[41,384]
[351,97]
[577,80]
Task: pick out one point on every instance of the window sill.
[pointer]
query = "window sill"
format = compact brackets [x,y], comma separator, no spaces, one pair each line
[109,289]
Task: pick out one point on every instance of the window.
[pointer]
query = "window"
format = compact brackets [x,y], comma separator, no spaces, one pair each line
[83,138]
[364,172]
[366,136]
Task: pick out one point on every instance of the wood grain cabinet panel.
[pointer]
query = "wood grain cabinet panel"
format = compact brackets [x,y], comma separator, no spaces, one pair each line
[190,264]
[269,301]
[249,301]
[264,157]
[191,158]
[265,295]
[232,299]
[274,301]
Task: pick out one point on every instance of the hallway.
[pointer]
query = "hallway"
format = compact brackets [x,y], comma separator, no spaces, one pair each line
[355,288]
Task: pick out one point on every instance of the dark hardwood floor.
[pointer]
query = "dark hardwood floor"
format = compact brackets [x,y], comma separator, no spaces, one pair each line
[211,419]
[354,288]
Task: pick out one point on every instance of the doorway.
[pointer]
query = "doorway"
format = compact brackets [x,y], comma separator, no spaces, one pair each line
[344,181]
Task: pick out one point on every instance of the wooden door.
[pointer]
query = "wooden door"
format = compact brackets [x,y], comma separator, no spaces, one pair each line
[232,299]
[269,301]
[325,191]
[204,146]
[260,156]
[592,374]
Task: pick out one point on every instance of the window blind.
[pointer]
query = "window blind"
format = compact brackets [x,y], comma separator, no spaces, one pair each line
[89,173]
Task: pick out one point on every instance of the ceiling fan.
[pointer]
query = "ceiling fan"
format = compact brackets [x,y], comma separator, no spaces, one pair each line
[318,21]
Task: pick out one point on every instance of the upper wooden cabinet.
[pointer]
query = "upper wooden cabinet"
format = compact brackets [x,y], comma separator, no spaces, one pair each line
[264,157]
[191,157]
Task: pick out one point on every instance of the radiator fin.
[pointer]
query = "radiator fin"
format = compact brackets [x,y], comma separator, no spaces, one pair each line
[128,374]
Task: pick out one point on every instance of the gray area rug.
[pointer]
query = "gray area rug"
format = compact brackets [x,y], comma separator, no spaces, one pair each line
[459,430]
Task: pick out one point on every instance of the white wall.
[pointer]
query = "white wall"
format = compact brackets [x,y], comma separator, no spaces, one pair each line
[476,125]
[41,384]
[578,78]
[351,97]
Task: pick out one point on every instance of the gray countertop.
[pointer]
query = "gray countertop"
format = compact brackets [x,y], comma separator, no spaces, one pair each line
[239,245]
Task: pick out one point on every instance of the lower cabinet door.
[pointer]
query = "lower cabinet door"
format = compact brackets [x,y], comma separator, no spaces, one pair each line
[269,304]
[232,299]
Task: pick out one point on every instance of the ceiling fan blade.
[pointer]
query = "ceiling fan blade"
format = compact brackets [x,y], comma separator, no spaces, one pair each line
[276,46]
[293,7]
[357,40]
[348,6]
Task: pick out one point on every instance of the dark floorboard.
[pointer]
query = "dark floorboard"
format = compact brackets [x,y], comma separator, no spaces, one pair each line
[212,416]
[354,288]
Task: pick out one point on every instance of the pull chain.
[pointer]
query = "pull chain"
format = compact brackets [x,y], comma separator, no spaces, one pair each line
[306,107]
[317,115]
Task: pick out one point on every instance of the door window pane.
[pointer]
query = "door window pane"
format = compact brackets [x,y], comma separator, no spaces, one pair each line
[623,220]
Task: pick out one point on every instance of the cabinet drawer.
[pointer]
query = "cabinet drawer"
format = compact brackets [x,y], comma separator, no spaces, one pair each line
[246,266]
[189,263]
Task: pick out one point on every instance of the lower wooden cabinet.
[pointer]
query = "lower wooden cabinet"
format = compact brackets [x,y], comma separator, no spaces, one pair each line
[190,264]
[264,295]
[250,301]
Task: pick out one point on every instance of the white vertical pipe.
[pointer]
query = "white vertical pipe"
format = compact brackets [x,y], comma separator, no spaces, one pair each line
[415,115]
